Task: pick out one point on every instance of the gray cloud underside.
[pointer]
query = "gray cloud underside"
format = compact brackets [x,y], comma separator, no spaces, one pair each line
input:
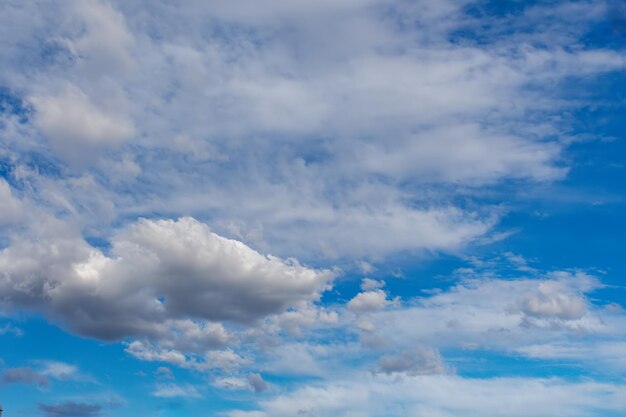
[156,277]
[70,409]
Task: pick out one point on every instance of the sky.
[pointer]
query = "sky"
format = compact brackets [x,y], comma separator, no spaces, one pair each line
[283,208]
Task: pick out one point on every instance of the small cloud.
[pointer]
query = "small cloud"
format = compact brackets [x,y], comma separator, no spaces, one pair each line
[9,329]
[60,370]
[163,372]
[366,267]
[257,383]
[231,383]
[175,391]
[413,362]
[25,376]
[371,284]
[370,301]
[70,409]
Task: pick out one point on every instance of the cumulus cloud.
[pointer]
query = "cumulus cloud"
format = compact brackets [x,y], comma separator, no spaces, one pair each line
[413,362]
[554,299]
[368,301]
[368,284]
[158,275]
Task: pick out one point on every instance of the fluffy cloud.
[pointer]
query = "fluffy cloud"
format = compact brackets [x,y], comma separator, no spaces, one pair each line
[60,370]
[554,299]
[157,276]
[413,362]
[368,301]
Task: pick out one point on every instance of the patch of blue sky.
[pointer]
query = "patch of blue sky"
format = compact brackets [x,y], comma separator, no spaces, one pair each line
[13,105]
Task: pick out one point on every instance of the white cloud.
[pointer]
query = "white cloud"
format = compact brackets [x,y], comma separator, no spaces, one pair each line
[43,373]
[368,301]
[157,277]
[368,284]
[253,382]
[143,351]
[486,313]
[351,126]
[231,383]
[74,124]
[60,370]
[553,299]
[225,359]
[445,396]
[324,130]
[103,48]
[176,391]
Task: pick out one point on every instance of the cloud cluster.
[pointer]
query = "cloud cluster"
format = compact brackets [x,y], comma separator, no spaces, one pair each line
[159,278]
[357,132]
[421,396]
[493,313]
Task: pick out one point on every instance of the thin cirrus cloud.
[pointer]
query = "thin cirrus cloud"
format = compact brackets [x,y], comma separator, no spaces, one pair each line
[378,396]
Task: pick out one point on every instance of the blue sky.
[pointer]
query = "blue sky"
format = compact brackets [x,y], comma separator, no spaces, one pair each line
[362,208]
